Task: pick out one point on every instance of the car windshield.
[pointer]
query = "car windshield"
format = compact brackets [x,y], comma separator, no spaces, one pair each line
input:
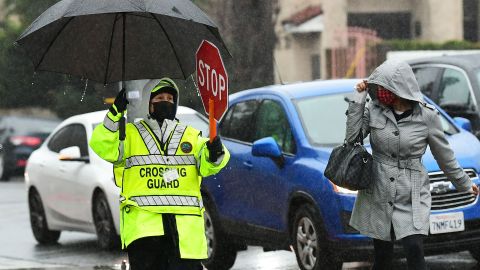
[195,121]
[324,119]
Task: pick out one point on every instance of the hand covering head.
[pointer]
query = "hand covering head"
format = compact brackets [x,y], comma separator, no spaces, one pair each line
[160,110]
[396,77]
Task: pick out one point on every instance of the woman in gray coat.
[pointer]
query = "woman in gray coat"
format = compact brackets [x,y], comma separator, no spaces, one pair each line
[401,126]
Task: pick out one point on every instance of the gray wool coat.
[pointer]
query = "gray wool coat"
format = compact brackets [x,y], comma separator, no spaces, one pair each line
[400,190]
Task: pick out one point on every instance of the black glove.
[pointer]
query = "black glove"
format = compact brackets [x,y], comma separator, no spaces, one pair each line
[215,149]
[120,103]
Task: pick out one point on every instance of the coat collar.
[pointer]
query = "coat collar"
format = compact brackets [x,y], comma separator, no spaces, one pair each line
[387,111]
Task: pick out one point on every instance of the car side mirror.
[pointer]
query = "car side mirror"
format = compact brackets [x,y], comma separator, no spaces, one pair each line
[268,147]
[463,123]
[72,153]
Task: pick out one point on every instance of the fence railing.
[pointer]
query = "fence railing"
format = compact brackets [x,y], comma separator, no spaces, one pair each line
[359,58]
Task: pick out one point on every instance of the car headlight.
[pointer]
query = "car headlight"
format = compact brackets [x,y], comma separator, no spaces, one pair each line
[343,190]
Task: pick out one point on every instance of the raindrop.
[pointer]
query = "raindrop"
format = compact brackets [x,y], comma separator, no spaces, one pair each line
[195,85]
[64,92]
[84,90]
[33,77]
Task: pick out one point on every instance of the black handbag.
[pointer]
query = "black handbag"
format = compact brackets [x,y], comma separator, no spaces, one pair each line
[350,165]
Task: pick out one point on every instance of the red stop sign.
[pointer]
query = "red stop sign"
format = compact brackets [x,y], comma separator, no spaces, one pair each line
[212,78]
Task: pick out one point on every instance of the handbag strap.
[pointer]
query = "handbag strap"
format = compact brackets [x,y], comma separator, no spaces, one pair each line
[358,140]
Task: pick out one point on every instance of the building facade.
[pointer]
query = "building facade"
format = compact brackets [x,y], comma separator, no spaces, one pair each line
[314,36]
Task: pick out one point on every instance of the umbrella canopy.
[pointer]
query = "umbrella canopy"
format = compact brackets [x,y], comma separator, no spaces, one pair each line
[118,40]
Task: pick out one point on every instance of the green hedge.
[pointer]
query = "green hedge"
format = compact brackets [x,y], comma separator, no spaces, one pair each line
[408,45]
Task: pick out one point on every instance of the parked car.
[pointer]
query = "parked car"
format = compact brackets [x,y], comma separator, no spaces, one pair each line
[273,192]
[453,82]
[19,137]
[70,188]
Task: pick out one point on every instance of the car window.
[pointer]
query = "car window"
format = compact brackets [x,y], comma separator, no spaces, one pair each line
[237,124]
[272,121]
[454,89]
[71,135]
[426,77]
[324,119]
[477,74]
[448,127]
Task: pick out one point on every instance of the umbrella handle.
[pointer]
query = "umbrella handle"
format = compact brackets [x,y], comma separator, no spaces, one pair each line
[211,118]
[122,120]
[122,129]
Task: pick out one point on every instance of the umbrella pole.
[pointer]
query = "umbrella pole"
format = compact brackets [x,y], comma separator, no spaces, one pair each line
[122,120]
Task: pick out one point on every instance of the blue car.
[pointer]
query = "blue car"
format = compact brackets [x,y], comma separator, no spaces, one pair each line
[273,192]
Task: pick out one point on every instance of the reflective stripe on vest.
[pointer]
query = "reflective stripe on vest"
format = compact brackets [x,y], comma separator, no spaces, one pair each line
[121,151]
[167,127]
[148,139]
[178,131]
[110,124]
[167,200]
[175,140]
[159,160]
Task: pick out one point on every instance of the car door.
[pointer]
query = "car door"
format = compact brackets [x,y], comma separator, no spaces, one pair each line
[266,179]
[68,180]
[228,188]
[49,172]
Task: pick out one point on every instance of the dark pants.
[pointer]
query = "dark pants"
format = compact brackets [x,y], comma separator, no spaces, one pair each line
[412,246]
[160,252]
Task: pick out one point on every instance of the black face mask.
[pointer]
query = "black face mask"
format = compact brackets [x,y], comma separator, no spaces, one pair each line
[163,110]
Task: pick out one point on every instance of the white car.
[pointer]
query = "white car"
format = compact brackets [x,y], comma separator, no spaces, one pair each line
[70,188]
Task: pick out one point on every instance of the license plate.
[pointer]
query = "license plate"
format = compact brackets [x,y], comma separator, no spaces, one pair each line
[446,223]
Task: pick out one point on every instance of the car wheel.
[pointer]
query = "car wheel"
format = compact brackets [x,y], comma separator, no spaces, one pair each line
[221,253]
[4,174]
[38,220]
[309,243]
[103,220]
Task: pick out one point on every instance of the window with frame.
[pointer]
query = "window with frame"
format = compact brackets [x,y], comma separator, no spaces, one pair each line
[237,123]
[271,121]
[71,135]
[454,88]
[426,78]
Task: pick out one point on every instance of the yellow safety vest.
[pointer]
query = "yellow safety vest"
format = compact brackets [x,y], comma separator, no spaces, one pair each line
[156,180]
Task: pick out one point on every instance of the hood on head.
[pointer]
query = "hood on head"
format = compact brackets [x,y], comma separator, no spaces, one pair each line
[166,85]
[397,76]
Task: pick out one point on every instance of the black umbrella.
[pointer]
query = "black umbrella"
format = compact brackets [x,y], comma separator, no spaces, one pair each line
[118,40]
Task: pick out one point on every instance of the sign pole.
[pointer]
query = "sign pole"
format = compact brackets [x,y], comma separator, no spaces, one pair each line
[211,118]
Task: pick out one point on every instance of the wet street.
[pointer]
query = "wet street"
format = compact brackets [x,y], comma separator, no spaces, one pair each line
[19,250]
